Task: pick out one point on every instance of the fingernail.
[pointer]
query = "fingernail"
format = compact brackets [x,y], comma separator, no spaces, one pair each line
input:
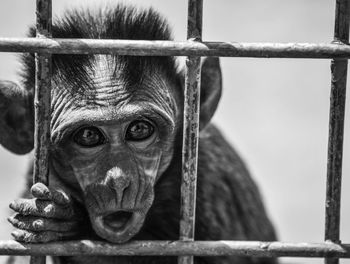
[14,234]
[12,219]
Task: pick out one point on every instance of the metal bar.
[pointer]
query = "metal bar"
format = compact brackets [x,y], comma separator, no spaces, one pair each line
[42,102]
[176,248]
[190,130]
[336,128]
[176,48]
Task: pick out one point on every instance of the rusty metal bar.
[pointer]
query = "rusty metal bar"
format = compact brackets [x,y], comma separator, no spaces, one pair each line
[42,102]
[176,48]
[190,130]
[175,248]
[336,128]
[42,96]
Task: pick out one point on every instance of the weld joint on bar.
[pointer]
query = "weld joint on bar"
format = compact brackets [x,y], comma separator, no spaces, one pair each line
[43,36]
[330,241]
[195,39]
[340,42]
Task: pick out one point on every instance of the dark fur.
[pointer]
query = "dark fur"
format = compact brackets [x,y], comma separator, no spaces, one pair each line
[118,23]
[229,206]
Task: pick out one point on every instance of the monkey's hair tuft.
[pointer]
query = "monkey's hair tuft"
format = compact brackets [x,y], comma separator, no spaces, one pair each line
[118,22]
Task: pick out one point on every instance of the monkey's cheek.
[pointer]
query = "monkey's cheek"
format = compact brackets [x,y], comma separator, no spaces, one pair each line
[117,233]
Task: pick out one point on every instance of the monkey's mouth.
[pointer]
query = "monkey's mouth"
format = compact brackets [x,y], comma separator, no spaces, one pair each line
[119,226]
[117,220]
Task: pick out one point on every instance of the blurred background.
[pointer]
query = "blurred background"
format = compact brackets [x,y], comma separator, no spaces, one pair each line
[274,111]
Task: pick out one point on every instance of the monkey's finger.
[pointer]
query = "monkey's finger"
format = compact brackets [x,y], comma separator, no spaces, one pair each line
[41,191]
[47,209]
[36,224]
[40,237]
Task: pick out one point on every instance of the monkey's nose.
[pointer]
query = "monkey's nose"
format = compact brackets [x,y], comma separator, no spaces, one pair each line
[118,183]
[117,220]
[117,179]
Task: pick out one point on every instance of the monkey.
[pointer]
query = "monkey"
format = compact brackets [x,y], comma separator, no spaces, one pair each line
[116,144]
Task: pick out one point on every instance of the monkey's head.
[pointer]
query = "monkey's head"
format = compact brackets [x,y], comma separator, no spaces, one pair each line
[114,118]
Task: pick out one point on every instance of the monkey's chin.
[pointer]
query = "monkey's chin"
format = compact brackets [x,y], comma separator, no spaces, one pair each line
[119,226]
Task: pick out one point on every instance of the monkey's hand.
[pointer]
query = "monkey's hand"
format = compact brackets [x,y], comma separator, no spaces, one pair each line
[50,216]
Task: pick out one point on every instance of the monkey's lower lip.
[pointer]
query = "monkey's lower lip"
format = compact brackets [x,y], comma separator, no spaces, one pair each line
[117,220]
[118,226]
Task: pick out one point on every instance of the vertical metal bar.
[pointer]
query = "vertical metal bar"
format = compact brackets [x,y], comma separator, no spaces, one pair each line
[42,101]
[336,128]
[191,130]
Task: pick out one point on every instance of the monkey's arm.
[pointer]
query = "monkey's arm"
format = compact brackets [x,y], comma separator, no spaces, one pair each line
[50,216]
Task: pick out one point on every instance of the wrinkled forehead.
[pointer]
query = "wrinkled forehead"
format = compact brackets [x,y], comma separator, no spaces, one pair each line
[89,79]
[108,84]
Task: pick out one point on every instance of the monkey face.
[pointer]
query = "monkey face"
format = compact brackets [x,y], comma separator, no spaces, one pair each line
[118,181]
[115,144]
[116,166]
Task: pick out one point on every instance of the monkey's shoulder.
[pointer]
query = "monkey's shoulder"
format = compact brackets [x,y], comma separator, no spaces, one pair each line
[227,196]
[216,154]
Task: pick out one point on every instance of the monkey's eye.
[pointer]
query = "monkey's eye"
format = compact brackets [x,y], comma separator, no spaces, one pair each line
[89,137]
[139,130]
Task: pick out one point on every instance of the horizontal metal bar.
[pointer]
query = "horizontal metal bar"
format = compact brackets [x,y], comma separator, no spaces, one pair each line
[178,248]
[175,48]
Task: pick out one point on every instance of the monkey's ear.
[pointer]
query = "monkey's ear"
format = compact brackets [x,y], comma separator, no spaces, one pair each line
[16,118]
[211,86]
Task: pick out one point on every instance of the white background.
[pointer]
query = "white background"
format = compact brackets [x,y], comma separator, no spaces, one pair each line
[275,111]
